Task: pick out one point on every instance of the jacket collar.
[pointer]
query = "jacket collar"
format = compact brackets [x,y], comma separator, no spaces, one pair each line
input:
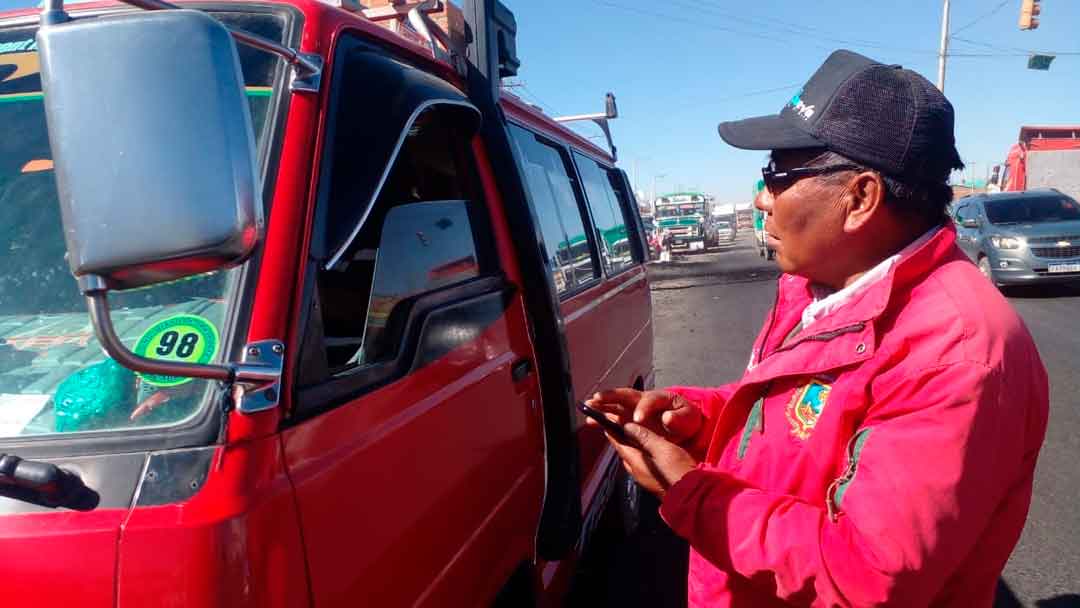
[869,303]
[850,331]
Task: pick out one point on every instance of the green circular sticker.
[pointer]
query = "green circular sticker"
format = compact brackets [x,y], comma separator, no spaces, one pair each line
[187,338]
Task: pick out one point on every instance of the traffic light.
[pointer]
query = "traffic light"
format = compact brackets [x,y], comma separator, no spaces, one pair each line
[1029,10]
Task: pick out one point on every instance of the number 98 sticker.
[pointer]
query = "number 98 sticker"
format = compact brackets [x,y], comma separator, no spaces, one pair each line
[185,338]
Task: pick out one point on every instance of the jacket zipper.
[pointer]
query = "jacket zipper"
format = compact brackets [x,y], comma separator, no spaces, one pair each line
[834,494]
[772,321]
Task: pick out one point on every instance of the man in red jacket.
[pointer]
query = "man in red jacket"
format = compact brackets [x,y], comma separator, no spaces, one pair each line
[881,445]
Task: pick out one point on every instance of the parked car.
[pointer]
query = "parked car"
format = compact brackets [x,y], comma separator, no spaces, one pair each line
[1019,238]
[356,291]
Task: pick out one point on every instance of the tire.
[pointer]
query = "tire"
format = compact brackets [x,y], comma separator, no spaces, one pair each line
[626,511]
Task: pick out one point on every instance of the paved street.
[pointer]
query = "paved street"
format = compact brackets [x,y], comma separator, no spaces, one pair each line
[707,309]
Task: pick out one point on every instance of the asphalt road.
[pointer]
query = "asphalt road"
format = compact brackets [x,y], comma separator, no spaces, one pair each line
[707,309]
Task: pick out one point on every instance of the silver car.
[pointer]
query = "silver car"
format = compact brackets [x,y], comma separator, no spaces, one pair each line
[1019,238]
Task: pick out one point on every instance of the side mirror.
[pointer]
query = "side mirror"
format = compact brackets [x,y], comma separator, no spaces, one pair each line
[970,223]
[610,109]
[152,144]
[154,156]
[506,36]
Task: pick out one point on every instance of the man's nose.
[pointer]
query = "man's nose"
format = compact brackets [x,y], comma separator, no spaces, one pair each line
[764,201]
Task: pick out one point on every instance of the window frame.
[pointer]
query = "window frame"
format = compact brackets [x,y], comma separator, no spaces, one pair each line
[317,390]
[635,225]
[565,152]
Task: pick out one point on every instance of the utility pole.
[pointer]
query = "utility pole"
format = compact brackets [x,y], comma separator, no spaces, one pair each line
[943,52]
[654,178]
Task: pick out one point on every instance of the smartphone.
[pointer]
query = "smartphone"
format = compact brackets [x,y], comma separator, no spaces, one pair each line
[614,428]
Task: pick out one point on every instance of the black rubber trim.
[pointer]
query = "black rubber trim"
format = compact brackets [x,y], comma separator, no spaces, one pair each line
[624,190]
[560,519]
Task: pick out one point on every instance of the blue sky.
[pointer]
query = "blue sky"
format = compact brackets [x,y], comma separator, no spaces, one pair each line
[678,67]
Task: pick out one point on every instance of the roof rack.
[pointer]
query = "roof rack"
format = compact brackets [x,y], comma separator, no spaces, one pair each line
[610,111]
[417,17]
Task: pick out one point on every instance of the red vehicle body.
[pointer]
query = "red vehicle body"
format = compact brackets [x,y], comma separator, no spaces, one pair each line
[1043,157]
[465,478]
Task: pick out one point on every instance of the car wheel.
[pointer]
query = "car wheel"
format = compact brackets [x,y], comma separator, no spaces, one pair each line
[986,270]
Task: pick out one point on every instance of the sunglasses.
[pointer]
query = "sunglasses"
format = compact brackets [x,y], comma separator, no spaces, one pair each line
[778,181]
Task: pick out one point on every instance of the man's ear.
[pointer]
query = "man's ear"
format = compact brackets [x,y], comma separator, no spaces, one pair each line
[866,200]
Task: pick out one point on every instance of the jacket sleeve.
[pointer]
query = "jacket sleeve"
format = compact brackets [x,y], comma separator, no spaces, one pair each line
[710,401]
[940,451]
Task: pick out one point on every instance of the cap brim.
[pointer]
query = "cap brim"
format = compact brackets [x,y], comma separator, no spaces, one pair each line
[766,133]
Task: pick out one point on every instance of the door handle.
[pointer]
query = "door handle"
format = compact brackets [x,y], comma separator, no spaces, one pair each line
[520,370]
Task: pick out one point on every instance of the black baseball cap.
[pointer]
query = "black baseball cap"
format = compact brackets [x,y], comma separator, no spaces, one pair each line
[883,116]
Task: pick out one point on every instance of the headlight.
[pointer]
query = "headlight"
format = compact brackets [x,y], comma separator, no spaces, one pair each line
[1006,242]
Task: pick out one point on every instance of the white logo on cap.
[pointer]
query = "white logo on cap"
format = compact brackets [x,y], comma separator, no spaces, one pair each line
[803,110]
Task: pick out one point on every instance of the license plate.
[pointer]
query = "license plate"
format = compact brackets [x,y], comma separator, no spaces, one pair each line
[699,245]
[1063,268]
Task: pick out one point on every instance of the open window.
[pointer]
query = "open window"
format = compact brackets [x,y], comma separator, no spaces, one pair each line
[399,256]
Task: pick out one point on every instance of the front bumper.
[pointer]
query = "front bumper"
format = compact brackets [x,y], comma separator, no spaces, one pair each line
[1022,268]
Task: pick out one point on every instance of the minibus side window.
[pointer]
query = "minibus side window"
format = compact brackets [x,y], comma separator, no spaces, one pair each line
[548,176]
[610,223]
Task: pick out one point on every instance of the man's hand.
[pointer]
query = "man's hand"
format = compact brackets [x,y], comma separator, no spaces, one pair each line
[655,462]
[669,415]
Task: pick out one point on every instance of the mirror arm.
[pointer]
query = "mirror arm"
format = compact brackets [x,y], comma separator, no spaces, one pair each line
[52,12]
[98,304]
[258,369]
[602,121]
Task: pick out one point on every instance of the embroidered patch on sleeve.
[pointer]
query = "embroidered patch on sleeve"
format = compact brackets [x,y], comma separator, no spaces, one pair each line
[805,407]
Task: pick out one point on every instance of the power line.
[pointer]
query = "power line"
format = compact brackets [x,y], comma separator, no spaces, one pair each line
[801,30]
[706,102]
[1005,51]
[989,46]
[980,18]
[786,87]
[535,99]
[550,107]
[677,18]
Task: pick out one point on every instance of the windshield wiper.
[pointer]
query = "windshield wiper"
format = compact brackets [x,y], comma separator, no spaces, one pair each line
[44,484]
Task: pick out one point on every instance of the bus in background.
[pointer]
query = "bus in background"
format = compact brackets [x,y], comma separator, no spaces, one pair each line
[684,216]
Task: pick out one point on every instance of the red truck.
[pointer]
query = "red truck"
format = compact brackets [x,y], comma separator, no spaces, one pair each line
[344,294]
[1043,157]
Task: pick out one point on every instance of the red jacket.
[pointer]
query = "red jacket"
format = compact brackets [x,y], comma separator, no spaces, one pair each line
[883,456]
